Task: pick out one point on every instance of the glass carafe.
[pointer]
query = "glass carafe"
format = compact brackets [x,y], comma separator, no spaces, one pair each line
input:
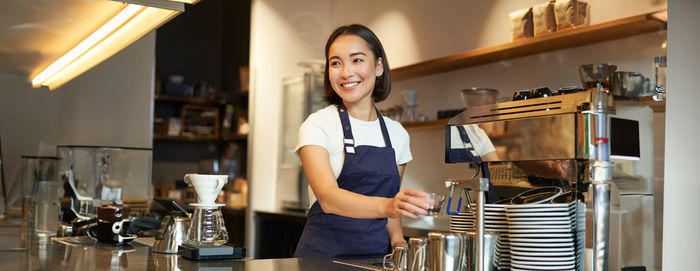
[42,192]
[207,228]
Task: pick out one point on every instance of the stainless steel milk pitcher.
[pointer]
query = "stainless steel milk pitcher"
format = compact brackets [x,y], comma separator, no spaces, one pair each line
[446,251]
[416,253]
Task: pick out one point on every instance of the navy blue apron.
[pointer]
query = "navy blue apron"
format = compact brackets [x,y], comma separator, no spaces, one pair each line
[472,155]
[367,170]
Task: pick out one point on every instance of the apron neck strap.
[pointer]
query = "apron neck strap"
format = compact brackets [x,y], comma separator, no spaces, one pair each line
[348,139]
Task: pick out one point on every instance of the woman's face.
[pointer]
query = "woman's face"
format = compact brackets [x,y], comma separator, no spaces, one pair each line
[352,69]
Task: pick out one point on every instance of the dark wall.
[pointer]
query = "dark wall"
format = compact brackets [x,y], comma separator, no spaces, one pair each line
[208,42]
[237,22]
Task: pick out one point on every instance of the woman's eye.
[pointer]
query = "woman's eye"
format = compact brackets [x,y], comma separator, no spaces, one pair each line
[358,60]
[335,63]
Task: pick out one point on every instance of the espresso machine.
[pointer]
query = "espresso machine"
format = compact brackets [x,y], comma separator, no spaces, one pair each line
[564,140]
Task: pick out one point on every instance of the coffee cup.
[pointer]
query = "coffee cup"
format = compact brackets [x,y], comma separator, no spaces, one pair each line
[111,231]
[112,222]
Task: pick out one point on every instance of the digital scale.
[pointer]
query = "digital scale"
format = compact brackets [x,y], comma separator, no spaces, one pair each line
[223,252]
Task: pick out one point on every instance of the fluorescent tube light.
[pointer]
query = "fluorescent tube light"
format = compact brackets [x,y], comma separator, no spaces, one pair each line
[186,1]
[131,23]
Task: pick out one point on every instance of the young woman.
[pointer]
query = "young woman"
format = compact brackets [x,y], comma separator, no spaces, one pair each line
[353,157]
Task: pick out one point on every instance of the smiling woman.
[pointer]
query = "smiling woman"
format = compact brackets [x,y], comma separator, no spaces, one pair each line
[354,157]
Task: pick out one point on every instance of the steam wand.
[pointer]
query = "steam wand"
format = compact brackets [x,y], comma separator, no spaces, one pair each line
[481,185]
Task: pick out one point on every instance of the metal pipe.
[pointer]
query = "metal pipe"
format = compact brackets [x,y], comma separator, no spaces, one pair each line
[483,187]
[601,228]
[481,199]
[601,177]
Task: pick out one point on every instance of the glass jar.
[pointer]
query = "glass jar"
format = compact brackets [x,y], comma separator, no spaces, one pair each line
[42,192]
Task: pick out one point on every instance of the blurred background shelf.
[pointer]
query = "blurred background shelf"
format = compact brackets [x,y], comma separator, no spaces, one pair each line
[236,137]
[189,100]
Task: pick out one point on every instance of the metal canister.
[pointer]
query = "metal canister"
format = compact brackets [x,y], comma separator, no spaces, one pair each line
[416,253]
[490,256]
[446,251]
[396,259]
[399,259]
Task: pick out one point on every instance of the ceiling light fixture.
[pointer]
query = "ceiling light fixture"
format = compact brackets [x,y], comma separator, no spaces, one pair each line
[186,1]
[135,19]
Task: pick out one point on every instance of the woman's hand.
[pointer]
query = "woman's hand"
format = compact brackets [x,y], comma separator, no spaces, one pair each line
[408,203]
[398,242]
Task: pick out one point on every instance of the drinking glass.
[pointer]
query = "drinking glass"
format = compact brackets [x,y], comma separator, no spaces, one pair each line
[437,200]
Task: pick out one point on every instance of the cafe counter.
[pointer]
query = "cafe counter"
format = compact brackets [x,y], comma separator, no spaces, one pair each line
[82,253]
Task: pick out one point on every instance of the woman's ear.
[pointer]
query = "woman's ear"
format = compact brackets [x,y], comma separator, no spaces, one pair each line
[379,67]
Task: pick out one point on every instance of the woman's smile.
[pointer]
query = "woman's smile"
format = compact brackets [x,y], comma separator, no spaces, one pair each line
[349,86]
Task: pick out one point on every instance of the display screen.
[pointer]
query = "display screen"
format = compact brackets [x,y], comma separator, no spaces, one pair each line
[624,137]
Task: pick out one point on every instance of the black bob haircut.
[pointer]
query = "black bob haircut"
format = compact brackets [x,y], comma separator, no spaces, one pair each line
[382,85]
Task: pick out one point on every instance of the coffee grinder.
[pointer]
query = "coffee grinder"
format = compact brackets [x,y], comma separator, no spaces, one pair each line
[207,236]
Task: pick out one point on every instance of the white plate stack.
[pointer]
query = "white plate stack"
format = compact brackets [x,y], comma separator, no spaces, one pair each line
[532,236]
[546,236]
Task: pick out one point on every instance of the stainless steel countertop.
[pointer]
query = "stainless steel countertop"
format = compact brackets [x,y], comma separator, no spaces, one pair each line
[86,254]
[58,256]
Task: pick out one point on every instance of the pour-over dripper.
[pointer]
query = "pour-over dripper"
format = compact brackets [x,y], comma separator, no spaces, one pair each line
[207,228]
[207,187]
[410,96]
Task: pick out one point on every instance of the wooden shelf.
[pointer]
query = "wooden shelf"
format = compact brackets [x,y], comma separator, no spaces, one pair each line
[657,107]
[563,39]
[190,100]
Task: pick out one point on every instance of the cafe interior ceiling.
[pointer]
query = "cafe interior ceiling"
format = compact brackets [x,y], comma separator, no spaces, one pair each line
[35,33]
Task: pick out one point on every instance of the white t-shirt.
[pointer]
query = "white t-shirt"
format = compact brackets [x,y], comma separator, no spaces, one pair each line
[480,141]
[323,128]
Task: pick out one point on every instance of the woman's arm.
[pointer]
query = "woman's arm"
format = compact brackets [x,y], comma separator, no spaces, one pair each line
[335,200]
[393,225]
